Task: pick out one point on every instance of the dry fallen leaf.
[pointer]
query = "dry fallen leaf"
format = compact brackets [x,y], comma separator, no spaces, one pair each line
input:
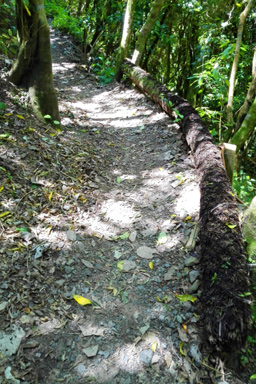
[82,300]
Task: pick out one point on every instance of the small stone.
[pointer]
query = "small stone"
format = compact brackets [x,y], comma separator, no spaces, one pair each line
[194,287]
[81,369]
[195,353]
[71,235]
[128,265]
[193,275]
[145,252]
[91,351]
[179,319]
[66,207]
[191,261]
[155,359]
[59,283]
[146,356]
[169,274]
[133,236]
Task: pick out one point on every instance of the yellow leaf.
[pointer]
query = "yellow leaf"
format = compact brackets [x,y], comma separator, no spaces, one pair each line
[154,346]
[28,11]
[183,353]
[150,264]
[8,114]
[1,188]
[230,226]
[49,229]
[6,213]
[20,117]
[113,289]
[82,300]
[186,298]
[187,218]
[50,197]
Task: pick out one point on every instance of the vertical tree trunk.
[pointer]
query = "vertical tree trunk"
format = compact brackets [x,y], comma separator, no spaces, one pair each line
[246,129]
[127,30]
[249,97]
[33,67]
[145,31]
[235,62]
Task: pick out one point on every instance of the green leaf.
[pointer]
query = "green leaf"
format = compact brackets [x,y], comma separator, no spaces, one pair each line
[47,117]
[4,135]
[56,122]
[186,298]
[162,238]
[118,180]
[22,230]
[253,376]
[124,236]
[2,106]
[120,265]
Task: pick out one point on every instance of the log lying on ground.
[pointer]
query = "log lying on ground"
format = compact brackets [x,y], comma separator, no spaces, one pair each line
[224,278]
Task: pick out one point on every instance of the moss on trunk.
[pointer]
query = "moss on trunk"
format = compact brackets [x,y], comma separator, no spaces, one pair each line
[33,67]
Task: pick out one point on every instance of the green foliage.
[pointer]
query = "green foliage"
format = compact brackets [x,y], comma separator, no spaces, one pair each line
[8,39]
[244,186]
[104,69]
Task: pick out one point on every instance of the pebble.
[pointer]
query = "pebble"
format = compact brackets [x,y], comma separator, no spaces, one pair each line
[146,356]
[133,236]
[191,261]
[169,275]
[179,319]
[193,275]
[194,287]
[81,369]
[195,353]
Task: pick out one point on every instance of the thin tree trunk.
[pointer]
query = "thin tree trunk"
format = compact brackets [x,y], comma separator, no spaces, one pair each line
[249,97]
[225,313]
[127,30]
[145,31]
[33,67]
[235,62]
[246,129]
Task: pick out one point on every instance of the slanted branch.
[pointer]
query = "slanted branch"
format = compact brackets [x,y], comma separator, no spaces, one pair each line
[224,271]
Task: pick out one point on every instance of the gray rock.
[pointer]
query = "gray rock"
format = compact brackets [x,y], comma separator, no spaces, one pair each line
[145,252]
[194,287]
[71,235]
[146,356]
[193,275]
[169,274]
[81,369]
[91,351]
[179,319]
[191,261]
[10,341]
[133,236]
[195,353]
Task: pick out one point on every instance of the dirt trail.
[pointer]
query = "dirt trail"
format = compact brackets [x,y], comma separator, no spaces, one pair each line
[118,204]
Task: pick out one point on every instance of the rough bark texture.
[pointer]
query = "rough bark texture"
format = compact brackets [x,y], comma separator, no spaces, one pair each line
[224,278]
[145,31]
[33,67]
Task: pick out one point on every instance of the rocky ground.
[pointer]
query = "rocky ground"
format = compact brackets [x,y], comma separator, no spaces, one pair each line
[98,219]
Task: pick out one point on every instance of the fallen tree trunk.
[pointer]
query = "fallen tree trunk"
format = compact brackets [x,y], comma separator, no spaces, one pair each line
[224,270]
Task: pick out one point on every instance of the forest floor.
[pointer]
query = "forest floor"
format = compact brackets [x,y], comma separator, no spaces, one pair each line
[102,208]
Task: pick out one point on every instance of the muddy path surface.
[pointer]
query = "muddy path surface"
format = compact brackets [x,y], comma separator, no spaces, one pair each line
[103,208]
